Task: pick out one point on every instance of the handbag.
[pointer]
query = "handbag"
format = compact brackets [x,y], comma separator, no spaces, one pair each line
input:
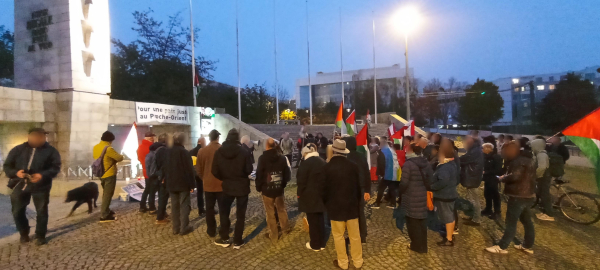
[429,193]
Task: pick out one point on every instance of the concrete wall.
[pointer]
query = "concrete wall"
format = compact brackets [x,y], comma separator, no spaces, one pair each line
[225,122]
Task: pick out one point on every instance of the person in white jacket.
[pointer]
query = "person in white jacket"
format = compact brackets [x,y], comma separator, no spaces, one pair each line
[543,179]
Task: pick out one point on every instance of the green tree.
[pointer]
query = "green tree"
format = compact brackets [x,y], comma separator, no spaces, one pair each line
[157,66]
[572,99]
[481,105]
[7,56]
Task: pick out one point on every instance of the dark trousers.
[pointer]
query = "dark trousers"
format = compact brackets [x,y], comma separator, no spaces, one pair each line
[543,193]
[518,209]
[241,203]
[19,200]
[200,196]
[163,199]
[180,210]
[149,194]
[108,190]
[289,158]
[211,222]
[417,232]
[316,231]
[392,189]
[492,196]
[362,220]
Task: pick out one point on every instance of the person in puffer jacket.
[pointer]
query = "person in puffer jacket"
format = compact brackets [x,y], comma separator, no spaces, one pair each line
[443,186]
[415,180]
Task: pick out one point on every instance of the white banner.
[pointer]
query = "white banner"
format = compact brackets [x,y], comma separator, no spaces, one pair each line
[161,113]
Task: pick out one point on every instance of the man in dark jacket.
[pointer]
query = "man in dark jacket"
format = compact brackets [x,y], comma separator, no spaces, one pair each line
[161,158]
[471,164]
[520,187]
[365,182]
[152,184]
[559,148]
[272,175]
[33,164]
[492,169]
[199,184]
[310,199]
[342,195]
[232,164]
[179,178]
[415,180]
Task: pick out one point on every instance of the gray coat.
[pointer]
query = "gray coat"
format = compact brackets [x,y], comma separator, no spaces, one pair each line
[415,180]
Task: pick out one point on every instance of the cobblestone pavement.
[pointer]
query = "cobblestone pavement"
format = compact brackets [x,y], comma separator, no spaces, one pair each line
[135,242]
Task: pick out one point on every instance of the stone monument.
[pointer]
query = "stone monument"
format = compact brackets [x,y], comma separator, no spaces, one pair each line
[63,46]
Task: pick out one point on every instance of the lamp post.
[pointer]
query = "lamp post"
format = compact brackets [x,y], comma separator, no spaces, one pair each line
[407,20]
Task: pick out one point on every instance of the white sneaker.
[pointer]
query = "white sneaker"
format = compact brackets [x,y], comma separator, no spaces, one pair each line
[542,216]
[528,250]
[496,249]
[455,231]
[316,250]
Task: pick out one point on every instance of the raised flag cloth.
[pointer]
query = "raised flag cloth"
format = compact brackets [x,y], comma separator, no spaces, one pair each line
[586,135]
[339,120]
[362,144]
[351,124]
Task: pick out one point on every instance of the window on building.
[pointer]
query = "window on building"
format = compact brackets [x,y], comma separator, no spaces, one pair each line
[540,87]
[516,89]
[522,88]
[551,87]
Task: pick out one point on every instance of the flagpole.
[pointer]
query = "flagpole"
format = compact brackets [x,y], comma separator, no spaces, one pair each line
[275,51]
[374,70]
[237,40]
[341,58]
[193,55]
[308,60]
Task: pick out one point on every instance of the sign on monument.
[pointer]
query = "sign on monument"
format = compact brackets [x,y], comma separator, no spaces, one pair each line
[161,113]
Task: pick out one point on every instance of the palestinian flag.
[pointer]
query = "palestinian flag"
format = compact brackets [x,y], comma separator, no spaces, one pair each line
[362,144]
[339,121]
[586,135]
[351,124]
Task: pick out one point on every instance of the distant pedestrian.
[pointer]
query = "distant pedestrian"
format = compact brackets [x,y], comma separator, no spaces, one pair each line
[520,189]
[374,151]
[287,146]
[390,178]
[342,195]
[212,186]
[180,181]
[152,184]
[492,169]
[272,175]
[232,164]
[310,199]
[199,184]
[471,164]
[443,185]
[109,178]
[142,151]
[31,167]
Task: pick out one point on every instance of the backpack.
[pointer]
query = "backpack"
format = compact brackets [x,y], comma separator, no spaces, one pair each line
[556,164]
[98,165]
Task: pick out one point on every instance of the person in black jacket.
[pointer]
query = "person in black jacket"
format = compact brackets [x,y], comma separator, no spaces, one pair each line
[310,199]
[232,164]
[520,188]
[272,175]
[492,169]
[559,148]
[161,157]
[32,166]
[471,165]
[365,182]
[199,184]
[342,195]
[180,181]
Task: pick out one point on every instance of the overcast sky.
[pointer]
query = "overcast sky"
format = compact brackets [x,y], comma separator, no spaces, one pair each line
[467,39]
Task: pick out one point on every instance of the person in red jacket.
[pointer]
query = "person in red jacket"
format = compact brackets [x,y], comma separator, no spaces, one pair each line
[142,151]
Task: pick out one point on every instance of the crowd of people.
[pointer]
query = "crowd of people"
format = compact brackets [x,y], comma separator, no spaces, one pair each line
[420,174]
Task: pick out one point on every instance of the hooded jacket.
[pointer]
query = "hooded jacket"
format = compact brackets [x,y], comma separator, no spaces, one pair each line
[287,146]
[361,162]
[471,165]
[179,170]
[538,147]
[232,164]
[444,182]
[142,151]
[415,180]
[46,161]
[272,174]
[310,184]
[520,177]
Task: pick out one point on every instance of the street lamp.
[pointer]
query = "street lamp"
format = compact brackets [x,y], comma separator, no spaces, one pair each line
[406,21]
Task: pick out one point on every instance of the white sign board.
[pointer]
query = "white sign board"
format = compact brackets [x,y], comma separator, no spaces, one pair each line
[161,113]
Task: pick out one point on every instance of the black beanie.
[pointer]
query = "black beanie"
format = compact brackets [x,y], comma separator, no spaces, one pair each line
[233,135]
[108,136]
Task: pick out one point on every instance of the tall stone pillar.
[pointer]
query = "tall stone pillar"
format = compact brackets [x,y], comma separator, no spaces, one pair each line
[63,46]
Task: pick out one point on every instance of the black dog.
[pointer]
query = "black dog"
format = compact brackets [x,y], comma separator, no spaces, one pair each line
[83,194]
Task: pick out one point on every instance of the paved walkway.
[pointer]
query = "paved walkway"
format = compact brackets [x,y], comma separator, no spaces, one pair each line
[134,242]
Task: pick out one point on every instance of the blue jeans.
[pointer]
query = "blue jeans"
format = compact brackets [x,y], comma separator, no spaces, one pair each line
[518,209]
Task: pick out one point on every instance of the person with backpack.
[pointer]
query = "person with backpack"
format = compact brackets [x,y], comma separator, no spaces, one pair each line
[414,182]
[31,167]
[543,179]
[272,175]
[109,157]
[153,176]
[142,152]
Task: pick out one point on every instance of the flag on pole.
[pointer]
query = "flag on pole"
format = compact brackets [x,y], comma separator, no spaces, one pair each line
[343,131]
[339,121]
[362,144]
[368,117]
[351,124]
[391,130]
[130,149]
[409,128]
[586,135]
